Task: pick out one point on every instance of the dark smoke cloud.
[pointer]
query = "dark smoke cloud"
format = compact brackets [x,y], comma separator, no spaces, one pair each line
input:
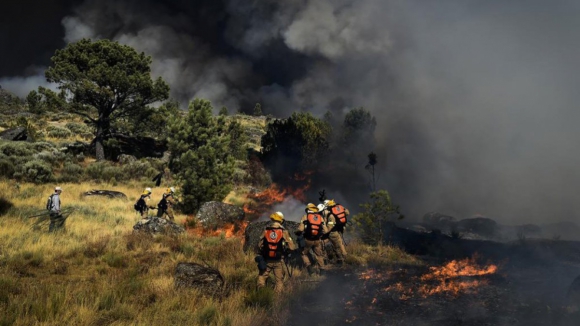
[475,100]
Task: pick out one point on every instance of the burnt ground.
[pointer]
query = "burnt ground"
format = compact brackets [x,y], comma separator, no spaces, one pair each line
[529,288]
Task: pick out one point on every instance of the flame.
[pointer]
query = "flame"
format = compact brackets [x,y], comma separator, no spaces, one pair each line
[260,203]
[455,278]
[449,277]
[230,230]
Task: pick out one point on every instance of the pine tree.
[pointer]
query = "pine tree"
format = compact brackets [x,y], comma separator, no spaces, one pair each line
[200,155]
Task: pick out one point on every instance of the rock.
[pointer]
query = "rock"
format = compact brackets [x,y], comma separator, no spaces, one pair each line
[192,275]
[16,134]
[107,193]
[255,230]
[214,215]
[157,225]
[478,225]
[139,147]
[126,159]
[574,293]
[438,219]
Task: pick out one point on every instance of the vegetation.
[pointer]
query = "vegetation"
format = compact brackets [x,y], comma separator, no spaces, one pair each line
[376,219]
[104,82]
[200,155]
[295,144]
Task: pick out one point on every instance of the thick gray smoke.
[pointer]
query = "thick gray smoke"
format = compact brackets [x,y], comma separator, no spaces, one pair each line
[475,101]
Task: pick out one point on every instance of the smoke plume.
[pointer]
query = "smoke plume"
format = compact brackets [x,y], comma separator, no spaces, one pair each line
[475,101]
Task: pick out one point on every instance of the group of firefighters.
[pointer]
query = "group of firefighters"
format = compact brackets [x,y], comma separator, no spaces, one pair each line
[164,207]
[320,222]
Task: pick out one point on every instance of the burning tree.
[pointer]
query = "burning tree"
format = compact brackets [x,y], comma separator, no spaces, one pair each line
[377,218]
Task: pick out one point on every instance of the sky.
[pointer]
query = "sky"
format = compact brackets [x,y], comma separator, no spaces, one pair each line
[476,101]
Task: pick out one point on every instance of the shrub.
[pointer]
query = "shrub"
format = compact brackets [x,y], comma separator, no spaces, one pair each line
[138,169]
[58,132]
[376,218]
[262,297]
[71,172]
[207,315]
[78,128]
[36,171]
[16,149]
[115,260]
[6,168]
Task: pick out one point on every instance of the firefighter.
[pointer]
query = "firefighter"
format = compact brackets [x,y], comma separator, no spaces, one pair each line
[312,227]
[54,207]
[141,204]
[165,206]
[275,243]
[335,215]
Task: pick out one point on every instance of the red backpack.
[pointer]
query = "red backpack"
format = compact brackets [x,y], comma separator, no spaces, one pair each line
[313,226]
[273,247]
[339,213]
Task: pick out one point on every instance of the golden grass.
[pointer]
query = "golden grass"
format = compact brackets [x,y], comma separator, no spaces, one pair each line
[97,272]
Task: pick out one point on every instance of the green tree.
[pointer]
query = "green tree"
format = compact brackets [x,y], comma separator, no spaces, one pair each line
[258,110]
[104,81]
[238,139]
[35,102]
[223,111]
[295,144]
[200,155]
[377,217]
[357,136]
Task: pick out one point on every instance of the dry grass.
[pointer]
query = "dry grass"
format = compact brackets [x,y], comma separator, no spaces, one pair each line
[97,272]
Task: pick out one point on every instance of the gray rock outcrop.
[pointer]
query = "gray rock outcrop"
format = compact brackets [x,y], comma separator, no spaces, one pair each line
[192,275]
[106,193]
[214,215]
[157,225]
[16,134]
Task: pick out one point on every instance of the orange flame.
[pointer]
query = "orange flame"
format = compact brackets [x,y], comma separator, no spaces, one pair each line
[230,230]
[448,277]
[260,203]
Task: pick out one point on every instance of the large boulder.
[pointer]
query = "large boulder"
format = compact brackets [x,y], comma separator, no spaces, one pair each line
[574,293]
[140,147]
[438,219]
[479,225]
[17,134]
[192,275]
[157,225]
[214,215]
[254,232]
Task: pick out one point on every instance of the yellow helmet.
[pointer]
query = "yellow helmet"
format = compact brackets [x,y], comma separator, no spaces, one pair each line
[311,207]
[331,203]
[278,217]
[170,190]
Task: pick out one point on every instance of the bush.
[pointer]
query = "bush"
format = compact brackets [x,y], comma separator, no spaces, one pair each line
[16,149]
[6,168]
[139,169]
[376,218]
[36,171]
[71,172]
[58,132]
[78,128]
[262,297]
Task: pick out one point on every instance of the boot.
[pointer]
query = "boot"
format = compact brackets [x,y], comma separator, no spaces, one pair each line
[310,269]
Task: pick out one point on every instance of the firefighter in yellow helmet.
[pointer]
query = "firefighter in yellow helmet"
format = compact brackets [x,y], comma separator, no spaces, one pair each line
[335,215]
[165,206]
[141,206]
[273,246]
[312,227]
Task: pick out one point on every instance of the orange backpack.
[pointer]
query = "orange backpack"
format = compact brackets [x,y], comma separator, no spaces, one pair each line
[273,247]
[313,226]
[340,213]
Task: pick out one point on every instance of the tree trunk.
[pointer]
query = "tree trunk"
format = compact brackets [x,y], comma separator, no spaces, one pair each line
[103,127]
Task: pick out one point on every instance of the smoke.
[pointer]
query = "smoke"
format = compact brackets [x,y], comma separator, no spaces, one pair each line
[475,101]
